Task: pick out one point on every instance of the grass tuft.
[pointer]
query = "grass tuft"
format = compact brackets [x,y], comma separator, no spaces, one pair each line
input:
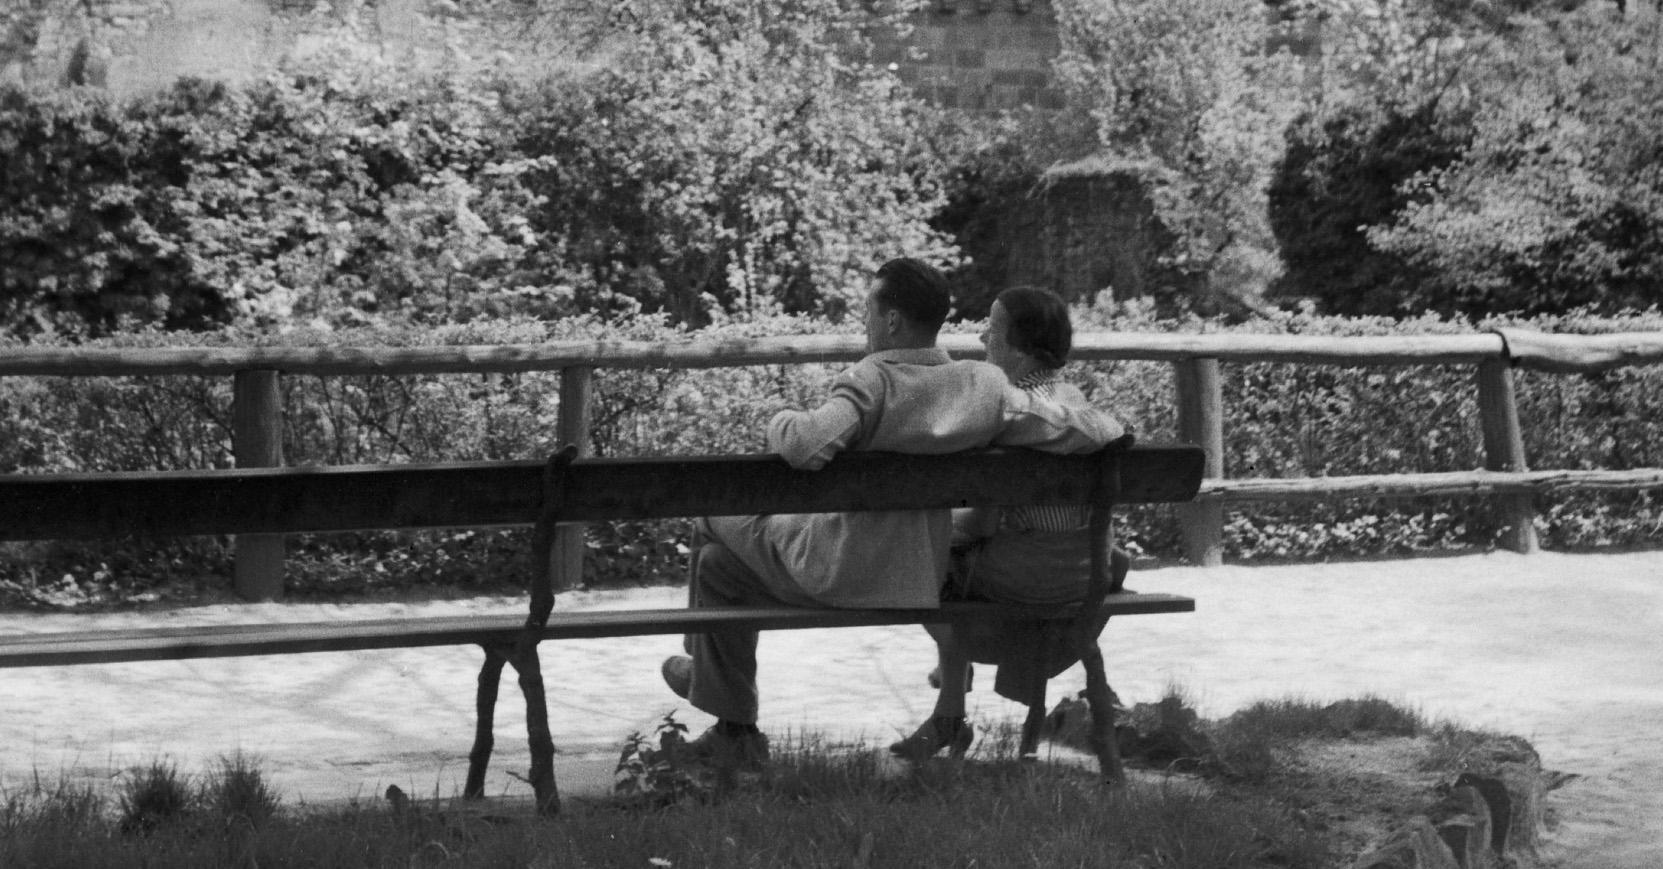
[153,796]
[1456,749]
[818,803]
[237,791]
[61,805]
[1304,719]
[1251,745]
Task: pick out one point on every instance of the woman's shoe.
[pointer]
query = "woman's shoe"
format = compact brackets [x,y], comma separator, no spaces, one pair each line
[953,734]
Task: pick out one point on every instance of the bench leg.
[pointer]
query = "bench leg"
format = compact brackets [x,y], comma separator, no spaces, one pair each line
[537,731]
[1031,728]
[485,708]
[1101,701]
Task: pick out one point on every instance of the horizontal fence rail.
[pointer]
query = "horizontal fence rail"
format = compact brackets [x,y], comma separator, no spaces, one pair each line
[1505,477]
[1438,484]
[1558,353]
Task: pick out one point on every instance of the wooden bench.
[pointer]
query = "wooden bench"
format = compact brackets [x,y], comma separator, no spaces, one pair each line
[295,500]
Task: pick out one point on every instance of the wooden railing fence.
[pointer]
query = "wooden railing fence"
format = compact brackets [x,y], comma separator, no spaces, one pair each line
[1196,359]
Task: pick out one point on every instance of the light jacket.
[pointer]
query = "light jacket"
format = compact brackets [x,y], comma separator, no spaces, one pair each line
[906,401]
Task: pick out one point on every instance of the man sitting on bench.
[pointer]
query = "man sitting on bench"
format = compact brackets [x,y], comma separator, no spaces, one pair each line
[905,396]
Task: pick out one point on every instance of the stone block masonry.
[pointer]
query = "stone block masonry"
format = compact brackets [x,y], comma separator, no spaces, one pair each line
[979,54]
[973,54]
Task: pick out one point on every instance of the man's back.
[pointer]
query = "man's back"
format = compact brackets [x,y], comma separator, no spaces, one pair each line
[911,400]
[917,400]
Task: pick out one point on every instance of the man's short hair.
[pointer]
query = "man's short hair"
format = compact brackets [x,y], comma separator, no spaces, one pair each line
[915,289]
[1037,324]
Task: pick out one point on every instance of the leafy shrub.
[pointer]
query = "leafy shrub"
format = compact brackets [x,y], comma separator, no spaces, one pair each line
[1281,420]
[1345,170]
[1291,420]
[739,155]
[655,770]
[300,195]
[87,232]
[1473,159]
[68,424]
[735,156]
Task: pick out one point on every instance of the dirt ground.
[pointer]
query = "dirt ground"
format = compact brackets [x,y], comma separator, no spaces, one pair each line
[1564,650]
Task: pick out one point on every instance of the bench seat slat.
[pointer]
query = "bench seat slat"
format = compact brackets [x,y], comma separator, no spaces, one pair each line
[218,641]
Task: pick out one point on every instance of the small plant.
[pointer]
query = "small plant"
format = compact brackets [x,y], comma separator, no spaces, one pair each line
[62,805]
[238,791]
[653,770]
[1371,714]
[152,796]
[1456,749]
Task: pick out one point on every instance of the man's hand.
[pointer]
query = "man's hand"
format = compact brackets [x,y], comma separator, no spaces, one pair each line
[1055,427]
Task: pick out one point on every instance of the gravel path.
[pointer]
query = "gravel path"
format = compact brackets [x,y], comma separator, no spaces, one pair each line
[1565,650]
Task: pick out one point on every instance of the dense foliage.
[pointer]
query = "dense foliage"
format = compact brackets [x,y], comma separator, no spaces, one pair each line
[738,165]
[1466,161]
[997,167]
[742,161]
[1455,156]
[1346,170]
[1184,96]
[1558,203]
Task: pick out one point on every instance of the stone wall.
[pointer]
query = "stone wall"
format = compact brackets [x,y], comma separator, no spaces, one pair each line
[132,44]
[979,54]
[974,54]
[135,45]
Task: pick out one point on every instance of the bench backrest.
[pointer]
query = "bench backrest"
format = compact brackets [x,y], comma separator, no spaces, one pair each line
[290,500]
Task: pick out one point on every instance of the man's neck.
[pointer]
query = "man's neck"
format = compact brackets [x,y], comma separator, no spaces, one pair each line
[899,342]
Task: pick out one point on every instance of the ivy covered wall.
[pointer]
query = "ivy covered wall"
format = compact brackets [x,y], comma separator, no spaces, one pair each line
[979,54]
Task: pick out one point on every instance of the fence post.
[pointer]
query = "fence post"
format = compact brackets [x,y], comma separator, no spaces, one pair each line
[257,442]
[1498,411]
[576,393]
[1201,421]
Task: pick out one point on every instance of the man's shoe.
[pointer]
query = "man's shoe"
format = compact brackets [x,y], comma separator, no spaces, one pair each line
[934,735]
[746,752]
[678,674]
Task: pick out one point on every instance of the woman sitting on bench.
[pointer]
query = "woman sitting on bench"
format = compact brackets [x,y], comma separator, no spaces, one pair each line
[1022,555]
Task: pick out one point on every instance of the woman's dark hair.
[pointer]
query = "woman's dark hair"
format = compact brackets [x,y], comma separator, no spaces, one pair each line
[917,290]
[1037,324]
